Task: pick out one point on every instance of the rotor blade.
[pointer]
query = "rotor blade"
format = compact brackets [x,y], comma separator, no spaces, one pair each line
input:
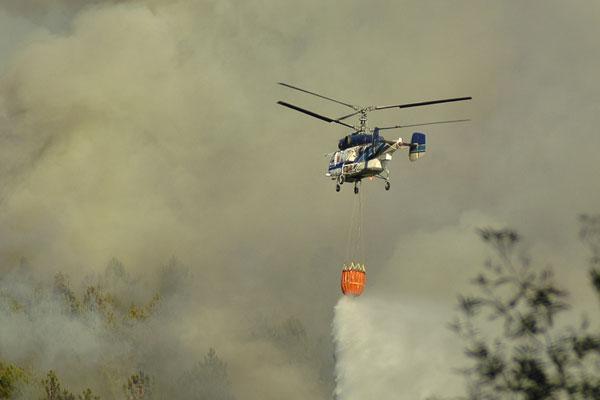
[423,103]
[318,95]
[348,116]
[425,123]
[313,114]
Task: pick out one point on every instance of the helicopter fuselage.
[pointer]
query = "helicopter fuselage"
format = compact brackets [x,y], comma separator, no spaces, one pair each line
[362,156]
[358,162]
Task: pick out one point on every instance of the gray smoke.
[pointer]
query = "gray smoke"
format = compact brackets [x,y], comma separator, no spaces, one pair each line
[146,129]
[392,350]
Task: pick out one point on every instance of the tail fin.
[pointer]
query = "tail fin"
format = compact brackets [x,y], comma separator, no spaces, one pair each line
[417,146]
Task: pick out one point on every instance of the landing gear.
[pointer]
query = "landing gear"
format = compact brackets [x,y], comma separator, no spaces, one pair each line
[387,185]
[341,179]
[337,187]
[356,187]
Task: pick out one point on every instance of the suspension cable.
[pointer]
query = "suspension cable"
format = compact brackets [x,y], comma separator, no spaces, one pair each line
[355,245]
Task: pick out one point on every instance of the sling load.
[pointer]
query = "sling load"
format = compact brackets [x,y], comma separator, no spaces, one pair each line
[354,274]
[354,278]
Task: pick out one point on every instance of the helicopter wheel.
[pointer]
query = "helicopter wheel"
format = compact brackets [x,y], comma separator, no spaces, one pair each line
[337,187]
[387,185]
[355,189]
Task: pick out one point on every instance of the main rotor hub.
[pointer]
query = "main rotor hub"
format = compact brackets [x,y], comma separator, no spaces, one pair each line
[363,121]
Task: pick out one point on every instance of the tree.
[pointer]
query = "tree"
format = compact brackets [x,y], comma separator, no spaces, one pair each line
[208,379]
[63,290]
[54,391]
[87,395]
[11,377]
[138,387]
[590,234]
[515,348]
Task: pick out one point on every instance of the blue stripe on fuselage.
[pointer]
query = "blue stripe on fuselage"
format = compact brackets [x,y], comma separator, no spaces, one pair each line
[335,166]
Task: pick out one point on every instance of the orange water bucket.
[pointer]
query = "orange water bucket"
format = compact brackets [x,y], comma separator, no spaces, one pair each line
[354,278]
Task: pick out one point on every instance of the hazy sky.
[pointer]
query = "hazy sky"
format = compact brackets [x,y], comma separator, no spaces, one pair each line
[146,129]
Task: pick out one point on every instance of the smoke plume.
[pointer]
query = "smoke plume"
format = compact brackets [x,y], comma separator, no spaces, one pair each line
[380,355]
[146,129]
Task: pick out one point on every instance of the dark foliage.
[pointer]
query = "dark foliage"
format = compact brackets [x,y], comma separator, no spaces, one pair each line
[54,391]
[11,377]
[138,387]
[208,379]
[515,349]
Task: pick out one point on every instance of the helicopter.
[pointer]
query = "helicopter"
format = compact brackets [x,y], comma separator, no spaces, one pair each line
[365,153]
